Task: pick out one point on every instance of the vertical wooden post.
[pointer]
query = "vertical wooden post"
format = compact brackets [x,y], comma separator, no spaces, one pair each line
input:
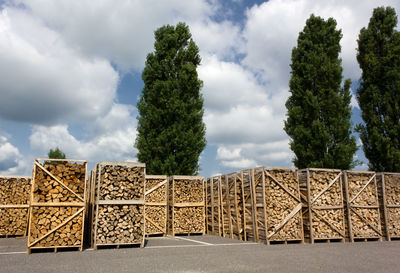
[236,208]
[244,208]
[212,205]
[264,205]
[348,206]
[254,205]
[309,206]
[388,236]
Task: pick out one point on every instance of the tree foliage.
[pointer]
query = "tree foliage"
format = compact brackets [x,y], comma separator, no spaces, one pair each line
[171,132]
[318,109]
[378,95]
[56,154]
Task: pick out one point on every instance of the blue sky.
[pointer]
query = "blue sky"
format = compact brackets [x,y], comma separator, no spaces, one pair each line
[70,75]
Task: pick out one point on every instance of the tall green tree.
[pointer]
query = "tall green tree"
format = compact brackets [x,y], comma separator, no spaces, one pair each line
[56,154]
[318,109]
[379,92]
[171,132]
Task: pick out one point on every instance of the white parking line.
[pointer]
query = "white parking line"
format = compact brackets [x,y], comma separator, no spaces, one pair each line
[194,241]
[10,253]
[209,245]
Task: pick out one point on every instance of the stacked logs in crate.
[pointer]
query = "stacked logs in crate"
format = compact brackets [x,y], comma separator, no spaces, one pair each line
[392,204]
[46,219]
[120,224]
[326,204]
[187,205]
[122,183]
[363,205]
[156,205]
[283,207]
[120,205]
[58,204]
[14,203]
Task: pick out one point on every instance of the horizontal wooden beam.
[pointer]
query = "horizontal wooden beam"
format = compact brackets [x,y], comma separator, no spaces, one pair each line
[189,204]
[120,163]
[121,202]
[156,176]
[58,204]
[61,160]
[184,177]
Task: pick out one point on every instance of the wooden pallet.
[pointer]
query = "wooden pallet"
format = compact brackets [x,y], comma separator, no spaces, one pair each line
[324,212]
[54,249]
[186,217]
[67,214]
[156,204]
[363,214]
[114,206]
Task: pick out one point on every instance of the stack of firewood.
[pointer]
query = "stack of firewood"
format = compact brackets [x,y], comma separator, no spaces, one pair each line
[363,205]
[392,198]
[14,202]
[58,204]
[122,183]
[327,209]
[280,203]
[120,224]
[120,205]
[187,208]
[156,205]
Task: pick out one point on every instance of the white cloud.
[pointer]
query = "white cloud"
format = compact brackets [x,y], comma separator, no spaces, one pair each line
[119,31]
[109,138]
[43,81]
[9,155]
[272,29]
[243,118]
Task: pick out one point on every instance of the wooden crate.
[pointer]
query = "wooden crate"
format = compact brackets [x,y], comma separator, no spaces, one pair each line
[186,205]
[250,224]
[120,204]
[225,207]
[389,184]
[14,205]
[208,207]
[156,204]
[324,212]
[215,203]
[235,201]
[57,208]
[362,205]
[278,205]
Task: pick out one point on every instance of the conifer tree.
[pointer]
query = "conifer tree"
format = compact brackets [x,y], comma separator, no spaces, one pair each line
[56,154]
[379,92]
[318,109]
[171,132]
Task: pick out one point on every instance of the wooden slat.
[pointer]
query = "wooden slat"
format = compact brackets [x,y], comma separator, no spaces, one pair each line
[121,202]
[327,188]
[363,188]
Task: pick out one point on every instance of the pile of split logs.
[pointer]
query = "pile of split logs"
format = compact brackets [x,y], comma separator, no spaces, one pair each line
[325,214]
[283,206]
[391,203]
[156,204]
[119,215]
[363,205]
[186,204]
[14,204]
[58,204]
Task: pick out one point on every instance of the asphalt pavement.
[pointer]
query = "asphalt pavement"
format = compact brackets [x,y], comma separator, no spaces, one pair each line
[207,254]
